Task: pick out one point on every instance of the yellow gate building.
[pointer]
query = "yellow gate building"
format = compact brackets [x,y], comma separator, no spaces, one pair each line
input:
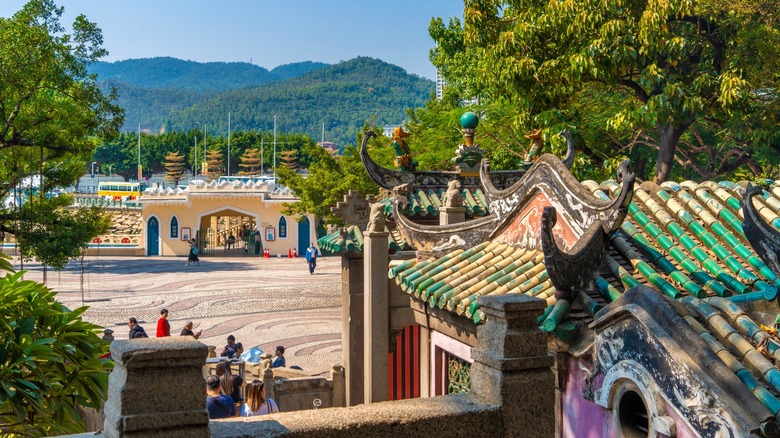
[248,209]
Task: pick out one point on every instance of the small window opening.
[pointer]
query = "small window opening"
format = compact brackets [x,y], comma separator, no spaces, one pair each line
[634,422]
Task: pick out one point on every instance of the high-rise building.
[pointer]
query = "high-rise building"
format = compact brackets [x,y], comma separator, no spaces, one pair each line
[440,83]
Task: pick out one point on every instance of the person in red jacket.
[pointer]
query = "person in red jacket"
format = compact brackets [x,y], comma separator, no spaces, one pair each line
[163,326]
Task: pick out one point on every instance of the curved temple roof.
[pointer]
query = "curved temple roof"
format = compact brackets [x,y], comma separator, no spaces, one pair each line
[685,241]
[691,243]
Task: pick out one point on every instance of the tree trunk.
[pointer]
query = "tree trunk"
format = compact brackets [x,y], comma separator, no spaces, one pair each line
[668,135]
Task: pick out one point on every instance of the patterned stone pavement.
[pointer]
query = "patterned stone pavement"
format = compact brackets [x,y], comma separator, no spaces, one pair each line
[263,302]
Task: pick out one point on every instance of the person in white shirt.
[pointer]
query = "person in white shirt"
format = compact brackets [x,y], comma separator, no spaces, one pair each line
[256,403]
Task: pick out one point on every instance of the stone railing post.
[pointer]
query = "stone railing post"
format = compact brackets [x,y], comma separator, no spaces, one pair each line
[376,313]
[512,365]
[212,351]
[339,387]
[157,389]
[352,325]
[268,382]
[108,335]
[452,215]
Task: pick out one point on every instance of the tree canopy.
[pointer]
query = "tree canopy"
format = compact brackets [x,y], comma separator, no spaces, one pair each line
[51,117]
[329,179]
[691,83]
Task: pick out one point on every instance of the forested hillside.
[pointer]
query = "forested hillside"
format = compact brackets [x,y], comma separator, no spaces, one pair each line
[168,93]
[343,97]
[167,73]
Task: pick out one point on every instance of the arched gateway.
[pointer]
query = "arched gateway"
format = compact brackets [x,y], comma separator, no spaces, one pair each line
[226,218]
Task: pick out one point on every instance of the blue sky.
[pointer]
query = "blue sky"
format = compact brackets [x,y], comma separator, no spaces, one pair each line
[270,33]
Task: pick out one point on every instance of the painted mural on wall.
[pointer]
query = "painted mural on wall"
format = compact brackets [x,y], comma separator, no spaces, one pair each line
[524,230]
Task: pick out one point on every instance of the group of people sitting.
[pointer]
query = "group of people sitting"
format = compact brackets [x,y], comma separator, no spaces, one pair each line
[223,389]
[234,350]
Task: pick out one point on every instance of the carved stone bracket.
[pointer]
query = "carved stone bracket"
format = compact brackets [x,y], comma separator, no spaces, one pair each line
[354,209]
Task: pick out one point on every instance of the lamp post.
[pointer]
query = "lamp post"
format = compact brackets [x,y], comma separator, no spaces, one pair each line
[92,174]
[228,154]
[140,172]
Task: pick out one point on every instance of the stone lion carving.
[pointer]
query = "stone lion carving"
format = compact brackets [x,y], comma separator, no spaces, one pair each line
[453,196]
[376,221]
[401,194]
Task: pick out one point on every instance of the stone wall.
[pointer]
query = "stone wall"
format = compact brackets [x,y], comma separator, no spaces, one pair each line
[125,222]
[446,416]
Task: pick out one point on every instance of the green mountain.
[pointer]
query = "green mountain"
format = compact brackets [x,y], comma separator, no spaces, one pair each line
[172,73]
[176,94]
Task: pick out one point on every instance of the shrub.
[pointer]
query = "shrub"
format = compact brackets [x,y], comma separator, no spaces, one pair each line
[49,360]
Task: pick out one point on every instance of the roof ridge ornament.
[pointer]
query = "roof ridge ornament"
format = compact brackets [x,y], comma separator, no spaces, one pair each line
[571,271]
[389,178]
[568,159]
[550,175]
[764,238]
[439,238]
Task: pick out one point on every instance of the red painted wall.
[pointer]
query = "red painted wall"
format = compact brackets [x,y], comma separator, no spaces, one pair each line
[403,368]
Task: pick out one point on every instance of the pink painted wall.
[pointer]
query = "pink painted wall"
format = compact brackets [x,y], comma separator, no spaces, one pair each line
[525,230]
[583,418]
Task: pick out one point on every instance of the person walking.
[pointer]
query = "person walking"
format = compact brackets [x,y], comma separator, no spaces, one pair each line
[163,326]
[136,331]
[193,255]
[311,257]
[257,242]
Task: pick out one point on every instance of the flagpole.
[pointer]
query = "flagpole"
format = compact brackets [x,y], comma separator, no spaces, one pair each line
[274,164]
[228,157]
[139,154]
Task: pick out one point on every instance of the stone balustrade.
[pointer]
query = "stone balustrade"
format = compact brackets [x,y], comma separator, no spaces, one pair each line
[157,389]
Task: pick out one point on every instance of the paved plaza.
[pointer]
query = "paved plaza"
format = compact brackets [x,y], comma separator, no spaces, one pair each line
[263,302]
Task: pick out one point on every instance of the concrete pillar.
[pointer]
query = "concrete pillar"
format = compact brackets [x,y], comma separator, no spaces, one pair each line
[339,390]
[376,313]
[512,365]
[157,389]
[452,215]
[425,362]
[352,326]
